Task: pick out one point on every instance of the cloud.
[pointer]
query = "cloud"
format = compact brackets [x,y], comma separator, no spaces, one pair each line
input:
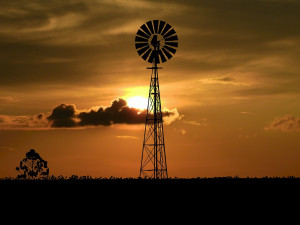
[193,122]
[247,113]
[90,43]
[202,122]
[170,115]
[127,137]
[181,131]
[285,123]
[118,113]
[58,41]
[4,100]
[223,80]
[63,116]
[67,116]
[23,122]
[44,39]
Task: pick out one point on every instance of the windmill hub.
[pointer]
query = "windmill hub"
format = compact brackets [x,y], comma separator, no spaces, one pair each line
[156,41]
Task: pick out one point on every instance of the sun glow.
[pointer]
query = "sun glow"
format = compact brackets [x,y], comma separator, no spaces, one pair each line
[137,102]
[136,97]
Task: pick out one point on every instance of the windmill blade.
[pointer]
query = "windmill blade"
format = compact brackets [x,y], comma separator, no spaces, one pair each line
[167,53]
[152,56]
[171,32]
[142,50]
[155,24]
[145,56]
[161,26]
[141,33]
[174,44]
[163,58]
[150,26]
[173,38]
[173,50]
[167,27]
[150,60]
[139,45]
[139,39]
[145,29]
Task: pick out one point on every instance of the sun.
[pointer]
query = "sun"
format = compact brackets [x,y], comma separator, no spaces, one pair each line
[137,102]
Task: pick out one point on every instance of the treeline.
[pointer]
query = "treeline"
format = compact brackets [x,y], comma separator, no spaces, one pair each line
[168,180]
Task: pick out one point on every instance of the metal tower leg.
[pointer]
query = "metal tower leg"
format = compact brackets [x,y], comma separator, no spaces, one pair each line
[153,162]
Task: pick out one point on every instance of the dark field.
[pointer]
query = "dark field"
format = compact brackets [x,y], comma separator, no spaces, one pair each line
[170,181]
[208,190]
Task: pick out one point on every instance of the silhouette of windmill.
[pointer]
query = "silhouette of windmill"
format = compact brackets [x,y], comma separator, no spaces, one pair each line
[156,42]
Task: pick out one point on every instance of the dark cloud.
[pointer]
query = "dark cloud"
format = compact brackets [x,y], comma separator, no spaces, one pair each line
[118,113]
[225,79]
[40,116]
[277,88]
[44,39]
[243,20]
[92,42]
[54,41]
[285,123]
[235,35]
[36,13]
[62,116]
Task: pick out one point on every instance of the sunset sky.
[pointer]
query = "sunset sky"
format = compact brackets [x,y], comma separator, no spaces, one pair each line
[232,88]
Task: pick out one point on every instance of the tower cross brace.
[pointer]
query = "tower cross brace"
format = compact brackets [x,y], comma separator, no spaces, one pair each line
[153,161]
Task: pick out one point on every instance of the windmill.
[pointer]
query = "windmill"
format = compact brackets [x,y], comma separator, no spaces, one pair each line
[156,42]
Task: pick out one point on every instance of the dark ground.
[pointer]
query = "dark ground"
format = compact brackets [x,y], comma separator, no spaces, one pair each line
[194,193]
[171,182]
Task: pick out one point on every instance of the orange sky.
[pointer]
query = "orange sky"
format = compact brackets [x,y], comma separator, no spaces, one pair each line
[232,86]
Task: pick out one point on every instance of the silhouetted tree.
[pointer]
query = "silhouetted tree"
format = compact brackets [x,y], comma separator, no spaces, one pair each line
[32,166]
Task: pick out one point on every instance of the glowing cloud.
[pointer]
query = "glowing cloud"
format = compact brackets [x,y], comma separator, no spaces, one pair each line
[285,123]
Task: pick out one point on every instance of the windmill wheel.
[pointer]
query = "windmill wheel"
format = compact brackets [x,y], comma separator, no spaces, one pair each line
[156,40]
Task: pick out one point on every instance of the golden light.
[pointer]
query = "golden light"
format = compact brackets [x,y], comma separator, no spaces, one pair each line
[137,102]
[137,97]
